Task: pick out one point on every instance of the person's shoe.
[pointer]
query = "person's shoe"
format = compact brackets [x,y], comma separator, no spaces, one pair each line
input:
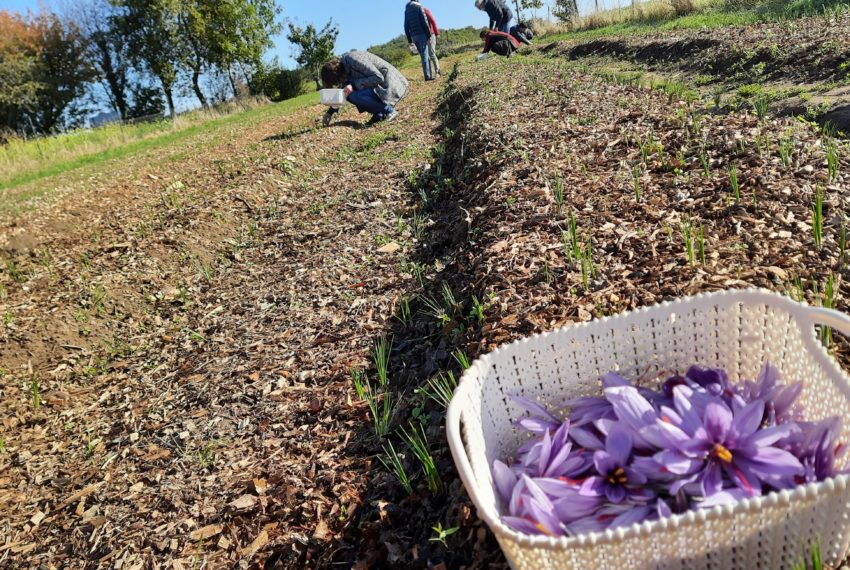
[391,117]
[375,120]
[430,79]
[329,115]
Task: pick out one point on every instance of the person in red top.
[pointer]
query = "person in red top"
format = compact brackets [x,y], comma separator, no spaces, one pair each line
[499,43]
[435,33]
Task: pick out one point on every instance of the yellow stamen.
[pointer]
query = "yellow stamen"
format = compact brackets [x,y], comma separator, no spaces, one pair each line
[722,453]
[618,477]
[543,529]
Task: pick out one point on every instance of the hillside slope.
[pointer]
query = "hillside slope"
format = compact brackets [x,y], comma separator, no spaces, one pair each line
[179,340]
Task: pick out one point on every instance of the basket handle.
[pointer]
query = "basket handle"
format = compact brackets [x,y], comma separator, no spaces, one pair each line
[458,449]
[829,317]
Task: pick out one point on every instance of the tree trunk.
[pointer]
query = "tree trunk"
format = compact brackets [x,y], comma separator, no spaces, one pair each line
[169,98]
[232,83]
[196,74]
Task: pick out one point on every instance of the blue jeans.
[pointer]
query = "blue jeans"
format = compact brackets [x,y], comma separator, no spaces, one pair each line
[424,47]
[504,25]
[367,102]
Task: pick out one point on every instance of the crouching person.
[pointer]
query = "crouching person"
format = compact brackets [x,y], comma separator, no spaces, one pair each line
[499,43]
[522,33]
[369,83]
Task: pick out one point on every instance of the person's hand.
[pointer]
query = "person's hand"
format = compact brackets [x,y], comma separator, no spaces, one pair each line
[347,91]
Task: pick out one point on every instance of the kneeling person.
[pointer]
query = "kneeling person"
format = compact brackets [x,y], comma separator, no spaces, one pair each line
[369,83]
[499,43]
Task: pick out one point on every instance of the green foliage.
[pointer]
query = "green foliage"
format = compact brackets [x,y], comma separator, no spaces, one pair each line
[565,10]
[441,534]
[276,82]
[44,66]
[451,41]
[417,442]
[315,47]
[392,462]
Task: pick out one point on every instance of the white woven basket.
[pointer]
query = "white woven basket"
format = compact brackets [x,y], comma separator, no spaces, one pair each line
[737,330]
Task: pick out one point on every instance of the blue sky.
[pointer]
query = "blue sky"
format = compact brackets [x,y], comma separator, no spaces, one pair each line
[362,22]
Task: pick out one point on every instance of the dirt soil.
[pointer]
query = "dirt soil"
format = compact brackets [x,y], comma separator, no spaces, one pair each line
[178,338]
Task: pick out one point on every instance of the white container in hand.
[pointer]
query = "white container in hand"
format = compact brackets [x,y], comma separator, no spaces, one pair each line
[332,98]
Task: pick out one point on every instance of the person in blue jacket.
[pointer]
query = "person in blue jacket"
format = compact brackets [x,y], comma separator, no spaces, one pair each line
[500,14]
[418,32]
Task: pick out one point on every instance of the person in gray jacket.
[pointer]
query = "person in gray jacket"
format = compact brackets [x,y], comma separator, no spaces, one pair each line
[369,83]
[418,32]
[500,14]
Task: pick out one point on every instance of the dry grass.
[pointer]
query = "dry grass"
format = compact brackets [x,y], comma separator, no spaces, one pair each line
[19,157]
[651,11]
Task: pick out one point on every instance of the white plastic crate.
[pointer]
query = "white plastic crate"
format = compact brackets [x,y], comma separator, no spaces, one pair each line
[736,330]
[332,98]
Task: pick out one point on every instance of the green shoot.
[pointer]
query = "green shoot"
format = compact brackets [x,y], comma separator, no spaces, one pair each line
[449,298]
[441,534]
[477,312]
[733,181]
[392,462]
[441,388]
[761,107]
[816,560]
[785,149]
[461,358]
[588,269]
[381,358]
[405,314]
[418,445]
[436,310]
[357,377]
[381,408]
[817,217]
[797,291]
[35,392]
[573,228]
[559,194]
[687,229]
[831,159]
[828,303]
[700,239]
[2,445]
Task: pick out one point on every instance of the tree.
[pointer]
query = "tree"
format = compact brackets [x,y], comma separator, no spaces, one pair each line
[526,5]
[230,34]
[43,69]
[153,32]
[65,70]
[565,10]
[108,51]
[314,47]
[20,83]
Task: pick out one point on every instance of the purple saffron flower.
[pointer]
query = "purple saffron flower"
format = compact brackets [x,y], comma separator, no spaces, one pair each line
[732,444]
[636,413]
[818,448]
[541,419]
[779,400]
[554,457]
[638,454]
[615,478]
[504,479]
[531,510]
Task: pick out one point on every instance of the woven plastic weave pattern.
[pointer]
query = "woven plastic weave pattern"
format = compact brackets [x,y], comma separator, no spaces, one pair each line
[736,330]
